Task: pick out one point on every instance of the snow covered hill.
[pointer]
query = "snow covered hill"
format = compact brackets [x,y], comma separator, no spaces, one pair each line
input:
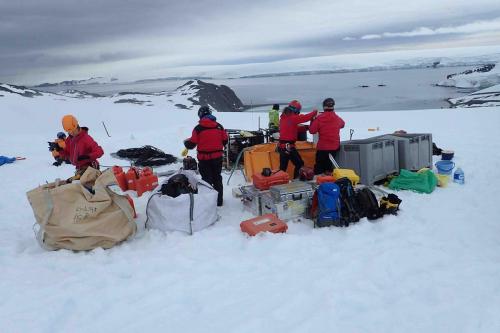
[8,89]
[475,79]
[485,97]
[190,96]
[433,268]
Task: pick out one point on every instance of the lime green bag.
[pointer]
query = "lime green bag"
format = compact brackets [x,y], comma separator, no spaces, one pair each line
[424,182]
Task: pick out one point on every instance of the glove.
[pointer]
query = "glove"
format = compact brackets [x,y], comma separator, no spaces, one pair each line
[184,152]
[57,163]
[83,157]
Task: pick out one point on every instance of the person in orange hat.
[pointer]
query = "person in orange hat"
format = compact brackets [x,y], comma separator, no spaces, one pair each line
[81,149]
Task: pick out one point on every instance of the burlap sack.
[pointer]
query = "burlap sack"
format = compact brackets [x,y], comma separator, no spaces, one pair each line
[82,215]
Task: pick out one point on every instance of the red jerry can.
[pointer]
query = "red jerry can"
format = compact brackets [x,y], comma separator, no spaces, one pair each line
[131,176]
[120,177]
[147,181]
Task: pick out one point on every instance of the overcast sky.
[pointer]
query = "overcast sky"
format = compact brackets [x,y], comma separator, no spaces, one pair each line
[53,40]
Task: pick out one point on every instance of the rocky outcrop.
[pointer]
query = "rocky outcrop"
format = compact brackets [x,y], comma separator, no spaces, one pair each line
[219,97]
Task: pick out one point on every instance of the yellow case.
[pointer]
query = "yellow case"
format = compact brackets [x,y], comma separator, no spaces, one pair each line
[349,173]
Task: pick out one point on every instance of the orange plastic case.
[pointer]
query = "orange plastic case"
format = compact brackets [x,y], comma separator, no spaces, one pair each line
[268,222]
[264,183]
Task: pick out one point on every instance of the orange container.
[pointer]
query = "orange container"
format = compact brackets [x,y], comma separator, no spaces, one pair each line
[131,202]
[325,179]
[277,178]
[268,222]
[120,177]
[147,181]
[265,156]
[131,176]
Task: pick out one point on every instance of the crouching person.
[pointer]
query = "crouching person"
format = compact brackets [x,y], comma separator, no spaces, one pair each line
[210,137]
[80,149]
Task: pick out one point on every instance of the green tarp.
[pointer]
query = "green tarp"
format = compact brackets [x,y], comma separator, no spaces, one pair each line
[424,182]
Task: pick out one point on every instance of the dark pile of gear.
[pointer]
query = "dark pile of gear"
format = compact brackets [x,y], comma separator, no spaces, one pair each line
[146,156]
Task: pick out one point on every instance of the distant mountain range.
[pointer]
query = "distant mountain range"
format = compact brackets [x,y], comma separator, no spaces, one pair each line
[69,83]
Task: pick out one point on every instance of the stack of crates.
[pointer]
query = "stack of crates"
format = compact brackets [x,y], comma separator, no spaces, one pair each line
[415,150]
[372,159]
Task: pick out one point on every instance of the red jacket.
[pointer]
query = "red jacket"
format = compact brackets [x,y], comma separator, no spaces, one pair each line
[289,125]
[328,125]
[82,144]
[210,137]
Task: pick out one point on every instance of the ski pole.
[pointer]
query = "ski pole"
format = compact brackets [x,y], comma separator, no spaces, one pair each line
[103,124]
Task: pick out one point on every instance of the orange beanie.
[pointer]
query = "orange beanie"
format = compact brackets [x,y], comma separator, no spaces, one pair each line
[69,123]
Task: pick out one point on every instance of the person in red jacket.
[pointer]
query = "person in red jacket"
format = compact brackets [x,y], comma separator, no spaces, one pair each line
[289,122]
[80,149]
[327,125]
[210,137]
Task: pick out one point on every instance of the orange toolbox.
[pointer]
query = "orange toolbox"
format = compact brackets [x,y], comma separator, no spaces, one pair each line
[268,222]
[265,182]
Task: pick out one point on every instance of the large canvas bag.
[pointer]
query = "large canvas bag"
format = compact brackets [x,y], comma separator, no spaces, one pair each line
[82,215]
[189,212]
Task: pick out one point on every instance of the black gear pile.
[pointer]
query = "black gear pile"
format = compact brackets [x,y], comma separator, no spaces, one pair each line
[146,156]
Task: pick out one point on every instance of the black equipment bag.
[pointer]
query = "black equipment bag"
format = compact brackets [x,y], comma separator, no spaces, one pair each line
[368,204]
[177,185]
[189,163]
[349,211]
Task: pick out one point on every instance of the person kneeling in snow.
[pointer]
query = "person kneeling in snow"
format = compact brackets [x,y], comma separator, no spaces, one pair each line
[210,137]
[81,150]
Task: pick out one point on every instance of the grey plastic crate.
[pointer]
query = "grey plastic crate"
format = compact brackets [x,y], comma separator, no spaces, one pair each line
[372,159]
[415,150]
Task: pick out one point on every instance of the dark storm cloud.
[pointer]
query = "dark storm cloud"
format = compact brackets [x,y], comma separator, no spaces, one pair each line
[57,38]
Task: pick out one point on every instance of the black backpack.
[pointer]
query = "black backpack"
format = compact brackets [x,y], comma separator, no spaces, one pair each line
[189,163]
[177,185]
[368,204]
[349,211]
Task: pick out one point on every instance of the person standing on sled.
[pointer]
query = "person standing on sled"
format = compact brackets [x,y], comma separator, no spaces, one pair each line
[327,125]
[80,149]
[210,137]
[289,122]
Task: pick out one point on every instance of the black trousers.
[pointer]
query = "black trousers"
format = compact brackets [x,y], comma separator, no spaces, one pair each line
[291,155]
[210,171]
[323,163]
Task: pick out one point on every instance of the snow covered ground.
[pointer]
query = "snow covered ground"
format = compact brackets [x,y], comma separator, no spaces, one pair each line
[433,268]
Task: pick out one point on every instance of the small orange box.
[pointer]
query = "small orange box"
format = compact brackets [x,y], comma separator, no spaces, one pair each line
[268,222]
[264,183]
